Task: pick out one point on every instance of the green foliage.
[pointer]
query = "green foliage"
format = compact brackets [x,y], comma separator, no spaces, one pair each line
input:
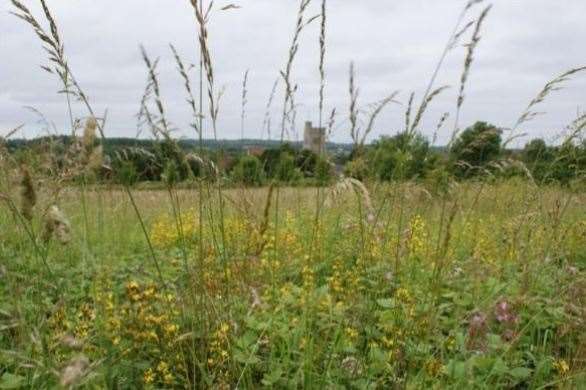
[562,164]
[357,168]
[401,157]
[539,158]
[324,171]
[475,148]
[248,171]
[286,171]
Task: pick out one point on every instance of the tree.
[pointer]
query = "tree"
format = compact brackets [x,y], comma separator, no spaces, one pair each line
[538,158]
[476,147]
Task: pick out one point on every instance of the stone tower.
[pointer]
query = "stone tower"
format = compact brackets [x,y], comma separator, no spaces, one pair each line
[314,138]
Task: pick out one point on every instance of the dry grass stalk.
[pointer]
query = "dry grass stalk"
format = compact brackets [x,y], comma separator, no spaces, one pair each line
[154,82]
[358,136]
[408,111]
[28,194]
[244,102]
[439,126]
[264,225]
[351,184]
[423,107]
[202,18]
[471,47]
[322,57]
[288,104]
[89,133]
[54,47]
[353,112]
[183,71]
[529,114]
[331,122]
[267,118]
[452,42]
[377,108]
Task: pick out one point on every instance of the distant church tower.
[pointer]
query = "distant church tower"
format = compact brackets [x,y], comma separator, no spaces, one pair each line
[314,138]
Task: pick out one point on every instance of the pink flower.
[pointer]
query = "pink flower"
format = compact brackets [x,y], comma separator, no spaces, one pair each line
[504,314]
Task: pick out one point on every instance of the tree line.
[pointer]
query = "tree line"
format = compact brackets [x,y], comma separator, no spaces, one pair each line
[477,152]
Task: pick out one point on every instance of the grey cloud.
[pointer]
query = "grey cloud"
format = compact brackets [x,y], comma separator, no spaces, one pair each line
[395,45]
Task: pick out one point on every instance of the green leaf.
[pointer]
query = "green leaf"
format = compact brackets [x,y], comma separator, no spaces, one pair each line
[11,381]
[520,372]
[387,303]
[245,357]
[270,378]
[500,367]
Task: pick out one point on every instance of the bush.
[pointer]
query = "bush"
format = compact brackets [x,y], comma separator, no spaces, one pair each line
[357,169]
[402,157]
[248,171]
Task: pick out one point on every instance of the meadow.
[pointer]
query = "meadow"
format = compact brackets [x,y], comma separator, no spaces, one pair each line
[439,272]
[482,287]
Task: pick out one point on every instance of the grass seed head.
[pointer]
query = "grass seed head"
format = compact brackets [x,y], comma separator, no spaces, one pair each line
[57,224]
[74,371]
[29,195]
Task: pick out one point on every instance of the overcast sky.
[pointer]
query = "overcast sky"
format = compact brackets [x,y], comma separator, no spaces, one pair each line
[394,43]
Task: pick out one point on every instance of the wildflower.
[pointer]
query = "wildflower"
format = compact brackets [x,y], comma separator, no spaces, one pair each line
[168,378]
[561,366]
[224,328]
[503,313]
[352,333]
[403,294]
[133,291]
[477,324]
[171,329]
[351,366]
[417,236]
[149,376]
[162,367]
[477,328]
[433,367]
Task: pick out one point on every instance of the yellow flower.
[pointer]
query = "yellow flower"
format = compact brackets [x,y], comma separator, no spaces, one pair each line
[149,376]
[352,333]
[171,329]
[168,378]
[561,366]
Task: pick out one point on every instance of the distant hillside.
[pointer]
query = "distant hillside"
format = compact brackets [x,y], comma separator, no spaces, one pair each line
[209,144]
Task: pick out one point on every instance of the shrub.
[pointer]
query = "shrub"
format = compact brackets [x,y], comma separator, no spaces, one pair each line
[248,171]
